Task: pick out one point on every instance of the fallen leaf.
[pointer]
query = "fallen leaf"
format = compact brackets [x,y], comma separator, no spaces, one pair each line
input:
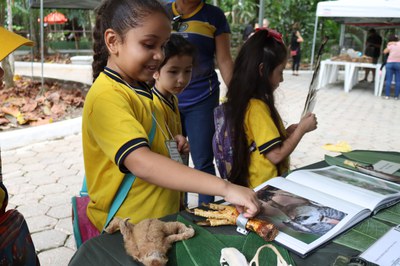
[11,110]
[42,122]
[29,106]
[4,121]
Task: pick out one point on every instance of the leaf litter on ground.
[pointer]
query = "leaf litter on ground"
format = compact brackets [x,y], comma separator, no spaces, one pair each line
[23,106]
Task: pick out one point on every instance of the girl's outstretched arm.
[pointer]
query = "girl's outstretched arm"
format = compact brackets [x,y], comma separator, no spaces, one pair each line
[162,171]
[306,124]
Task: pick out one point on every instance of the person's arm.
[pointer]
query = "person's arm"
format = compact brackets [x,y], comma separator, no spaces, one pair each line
[164,172]
[387,50]
[299,38]
[223,56]
[307,124]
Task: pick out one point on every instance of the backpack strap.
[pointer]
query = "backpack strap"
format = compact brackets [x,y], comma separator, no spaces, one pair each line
[126,184]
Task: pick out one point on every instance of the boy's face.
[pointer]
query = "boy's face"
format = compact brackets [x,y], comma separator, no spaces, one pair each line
[139,55]
[175,75]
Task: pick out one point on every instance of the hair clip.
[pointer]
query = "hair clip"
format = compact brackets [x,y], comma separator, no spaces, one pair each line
[272,33]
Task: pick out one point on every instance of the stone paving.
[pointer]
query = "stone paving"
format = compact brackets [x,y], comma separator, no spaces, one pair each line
[41,177]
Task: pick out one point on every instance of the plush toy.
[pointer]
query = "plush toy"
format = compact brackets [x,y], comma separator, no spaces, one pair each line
[149,240]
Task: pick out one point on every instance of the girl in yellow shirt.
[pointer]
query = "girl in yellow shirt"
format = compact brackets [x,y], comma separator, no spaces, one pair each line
[261,145]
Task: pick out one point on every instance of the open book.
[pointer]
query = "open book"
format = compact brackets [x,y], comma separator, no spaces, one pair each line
[310,207]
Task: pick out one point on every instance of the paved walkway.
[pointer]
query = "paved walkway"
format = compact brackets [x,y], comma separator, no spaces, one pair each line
[41,177]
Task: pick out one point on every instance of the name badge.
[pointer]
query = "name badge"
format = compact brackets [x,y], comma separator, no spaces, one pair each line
[174,154]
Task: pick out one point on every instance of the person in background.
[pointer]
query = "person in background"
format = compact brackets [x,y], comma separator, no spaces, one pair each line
[248,30]
[119,112]
[16,246]
[295,48]
[265,24]
[206,27]
[392,66]
[261,144]
[373,49]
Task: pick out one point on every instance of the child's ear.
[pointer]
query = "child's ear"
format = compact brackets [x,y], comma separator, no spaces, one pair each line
[261,69]
[112,39]
[156,75]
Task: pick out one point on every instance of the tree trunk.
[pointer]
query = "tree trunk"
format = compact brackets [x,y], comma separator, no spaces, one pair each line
[76,38]
[8,62]
[8,73]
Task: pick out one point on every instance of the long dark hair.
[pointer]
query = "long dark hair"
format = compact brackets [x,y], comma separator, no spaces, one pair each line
[121,16]
[263,47]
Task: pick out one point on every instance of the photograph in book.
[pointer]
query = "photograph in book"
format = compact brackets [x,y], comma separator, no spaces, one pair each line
[312,206]
[359,180]
[296,216]
[359,188]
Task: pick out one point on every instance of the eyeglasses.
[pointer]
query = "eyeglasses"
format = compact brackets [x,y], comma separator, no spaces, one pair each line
[272,33]
[176,22]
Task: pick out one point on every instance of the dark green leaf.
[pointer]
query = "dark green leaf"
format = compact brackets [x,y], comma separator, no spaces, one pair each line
[363,235]
[391,215]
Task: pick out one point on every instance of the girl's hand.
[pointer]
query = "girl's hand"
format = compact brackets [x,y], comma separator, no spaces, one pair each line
[291,129]
[245,199]
[183,144]
[308,123]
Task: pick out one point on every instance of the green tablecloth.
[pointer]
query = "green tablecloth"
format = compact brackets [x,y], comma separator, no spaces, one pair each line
[204,249]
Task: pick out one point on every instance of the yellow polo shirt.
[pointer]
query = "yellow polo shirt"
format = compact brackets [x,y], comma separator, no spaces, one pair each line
[170,110]
[260,128]
[116,120]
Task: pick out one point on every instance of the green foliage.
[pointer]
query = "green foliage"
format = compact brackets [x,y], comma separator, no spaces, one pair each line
[282,15]
[64,45]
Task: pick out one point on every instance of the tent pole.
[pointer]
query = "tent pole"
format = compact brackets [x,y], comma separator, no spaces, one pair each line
[313,44]
[41,42]
[341,40]
[261,14]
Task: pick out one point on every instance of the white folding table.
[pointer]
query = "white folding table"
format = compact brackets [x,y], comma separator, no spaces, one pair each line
[329,71]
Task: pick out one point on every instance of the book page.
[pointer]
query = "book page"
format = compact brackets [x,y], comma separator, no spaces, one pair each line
[361,189]
[306,218]
[385,251]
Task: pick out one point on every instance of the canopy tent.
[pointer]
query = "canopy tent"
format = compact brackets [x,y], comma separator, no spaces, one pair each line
[361,13]
[54,17]
[73,4]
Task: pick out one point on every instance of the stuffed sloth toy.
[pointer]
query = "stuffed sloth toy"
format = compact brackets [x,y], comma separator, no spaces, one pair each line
[149,240]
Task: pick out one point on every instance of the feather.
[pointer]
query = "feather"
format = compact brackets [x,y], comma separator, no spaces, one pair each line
[312,91]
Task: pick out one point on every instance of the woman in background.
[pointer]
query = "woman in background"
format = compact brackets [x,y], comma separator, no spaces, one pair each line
[295,51]
[206,27]
[393,65]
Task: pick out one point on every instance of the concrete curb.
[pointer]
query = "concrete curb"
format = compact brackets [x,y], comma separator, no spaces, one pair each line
[22,137]
[71,72]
